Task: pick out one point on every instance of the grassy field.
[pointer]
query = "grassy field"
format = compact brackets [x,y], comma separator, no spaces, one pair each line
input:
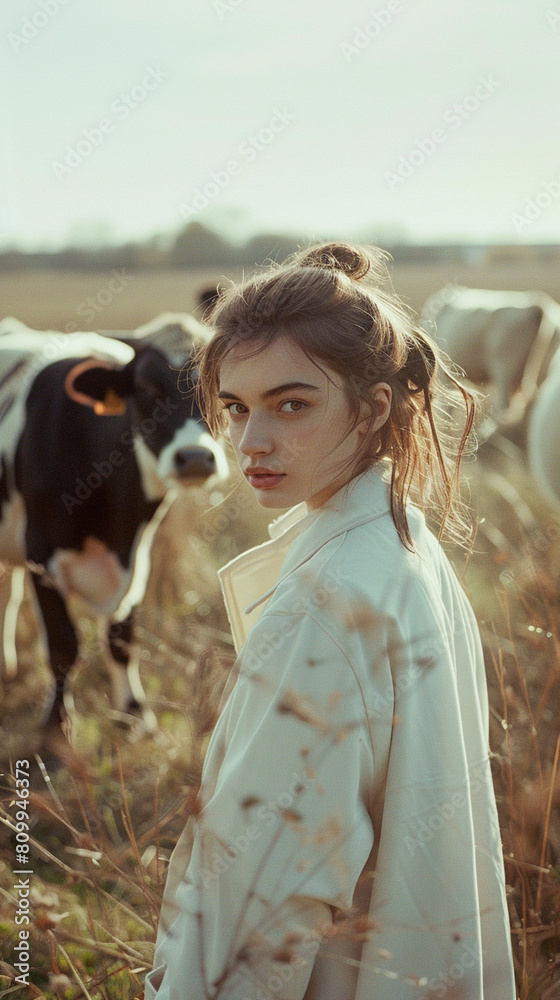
[103,826]
[53,300]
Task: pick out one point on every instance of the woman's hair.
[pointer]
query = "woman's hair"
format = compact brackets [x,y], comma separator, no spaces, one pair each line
[331,302]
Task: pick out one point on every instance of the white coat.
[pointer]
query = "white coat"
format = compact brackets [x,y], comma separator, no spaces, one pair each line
[349,766]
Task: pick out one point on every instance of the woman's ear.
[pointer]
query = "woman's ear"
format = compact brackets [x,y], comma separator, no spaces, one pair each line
[378,413]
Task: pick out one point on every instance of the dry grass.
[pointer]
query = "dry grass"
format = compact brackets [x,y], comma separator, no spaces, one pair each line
[103,827]
[513,581]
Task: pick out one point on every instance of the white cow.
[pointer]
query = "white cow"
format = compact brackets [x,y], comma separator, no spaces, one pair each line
[543,434]
[501,338]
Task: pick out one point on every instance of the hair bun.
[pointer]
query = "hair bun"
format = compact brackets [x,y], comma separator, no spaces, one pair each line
[339,257]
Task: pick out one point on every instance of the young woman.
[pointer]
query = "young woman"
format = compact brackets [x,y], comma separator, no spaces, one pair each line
[346,843]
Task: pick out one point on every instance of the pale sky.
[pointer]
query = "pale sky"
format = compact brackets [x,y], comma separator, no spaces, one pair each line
[431,119]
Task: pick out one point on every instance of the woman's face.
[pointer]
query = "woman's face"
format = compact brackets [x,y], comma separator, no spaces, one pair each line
[290,424]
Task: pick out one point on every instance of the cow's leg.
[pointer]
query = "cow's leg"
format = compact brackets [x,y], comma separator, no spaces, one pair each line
[62,646]
[123,660]
[9,652]
[502,392]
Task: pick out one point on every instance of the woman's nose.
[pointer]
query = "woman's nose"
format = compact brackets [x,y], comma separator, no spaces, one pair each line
[255,439]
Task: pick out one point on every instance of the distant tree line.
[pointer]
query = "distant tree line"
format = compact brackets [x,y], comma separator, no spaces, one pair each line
[198,246]
[193,246]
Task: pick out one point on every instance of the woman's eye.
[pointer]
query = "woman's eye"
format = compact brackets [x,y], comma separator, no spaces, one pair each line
[295,405]
[231,408]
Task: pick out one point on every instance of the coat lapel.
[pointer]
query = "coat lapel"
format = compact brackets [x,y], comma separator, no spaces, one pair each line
[249,580]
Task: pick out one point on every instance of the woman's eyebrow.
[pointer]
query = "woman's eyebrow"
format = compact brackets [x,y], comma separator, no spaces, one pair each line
[285,387]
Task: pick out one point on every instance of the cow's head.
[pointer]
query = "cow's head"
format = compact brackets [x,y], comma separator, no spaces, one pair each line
[169,432]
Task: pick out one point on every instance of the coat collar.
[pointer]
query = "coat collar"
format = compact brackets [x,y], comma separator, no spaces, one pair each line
[250,579]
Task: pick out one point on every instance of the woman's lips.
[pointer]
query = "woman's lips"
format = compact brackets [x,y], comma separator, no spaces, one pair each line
[264,480]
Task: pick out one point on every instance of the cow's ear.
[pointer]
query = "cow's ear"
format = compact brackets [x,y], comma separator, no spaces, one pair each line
[96,383]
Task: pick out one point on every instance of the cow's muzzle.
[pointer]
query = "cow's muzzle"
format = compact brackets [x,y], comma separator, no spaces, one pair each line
[194,463]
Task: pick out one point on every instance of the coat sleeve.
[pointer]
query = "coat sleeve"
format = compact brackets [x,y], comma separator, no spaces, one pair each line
[283,832]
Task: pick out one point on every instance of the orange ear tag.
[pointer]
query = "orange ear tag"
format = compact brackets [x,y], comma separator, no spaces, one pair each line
[112,406]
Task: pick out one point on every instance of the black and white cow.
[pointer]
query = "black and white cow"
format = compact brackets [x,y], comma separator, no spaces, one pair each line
[96,433]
